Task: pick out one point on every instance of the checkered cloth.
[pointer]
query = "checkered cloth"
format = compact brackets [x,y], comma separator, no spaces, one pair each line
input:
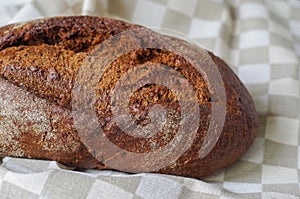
[259,39]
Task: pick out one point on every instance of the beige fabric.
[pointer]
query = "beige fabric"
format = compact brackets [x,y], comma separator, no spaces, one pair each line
[259,39]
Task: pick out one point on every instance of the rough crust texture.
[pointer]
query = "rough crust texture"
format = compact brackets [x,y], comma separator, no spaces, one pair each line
[39,62]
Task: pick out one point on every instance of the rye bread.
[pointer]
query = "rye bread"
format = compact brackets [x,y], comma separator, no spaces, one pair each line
[39,62]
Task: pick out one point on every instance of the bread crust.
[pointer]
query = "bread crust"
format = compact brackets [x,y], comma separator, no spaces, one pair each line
[39,62]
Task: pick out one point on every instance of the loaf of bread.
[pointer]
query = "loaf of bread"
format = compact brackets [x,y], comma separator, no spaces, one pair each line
[92,92]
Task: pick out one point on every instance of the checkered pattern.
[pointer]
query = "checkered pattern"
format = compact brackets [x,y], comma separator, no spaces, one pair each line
[261,42]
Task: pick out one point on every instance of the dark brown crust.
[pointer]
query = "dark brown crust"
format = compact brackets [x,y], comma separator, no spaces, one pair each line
[39,62]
